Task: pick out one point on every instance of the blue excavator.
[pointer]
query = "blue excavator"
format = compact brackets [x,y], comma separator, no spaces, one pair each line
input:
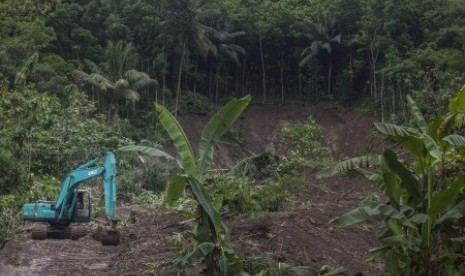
[74,205]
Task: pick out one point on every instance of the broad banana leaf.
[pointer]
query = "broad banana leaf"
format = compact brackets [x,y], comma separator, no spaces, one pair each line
[449,123]
[198,253]
[434,128]
[392,188]
[230,264]
[403,241]
[455,140]
[356,215]
[458,240]
[408,138]
[179,139]
[373,177]
[350,164]
[432,149]
[446,198]
[216,127]
[453,214]
[361,214]
[419,119]
[201,196]
[409,181]
[175,189]
[457,104]
[152,151]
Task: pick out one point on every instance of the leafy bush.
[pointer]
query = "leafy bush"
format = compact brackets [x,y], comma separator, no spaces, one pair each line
[144,173]
[45,187]
[235,195]
[9,216]
[258,167]
[8,202]
[305,138]
[194,102]
[241,195]
[189,102]
[149,199]
[272,194]
[9,224]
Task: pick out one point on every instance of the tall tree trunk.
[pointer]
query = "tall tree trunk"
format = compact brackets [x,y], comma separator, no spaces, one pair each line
[244,90]
[372,59]
[195,72]
[163,87]
[217,84]
[329,75]
[186,63]
[156,95]
[210,85]
[282,80]
[382,97]
[393,93]
[300,83]
[351,72]
[178,89]
[260,42]
[236,88]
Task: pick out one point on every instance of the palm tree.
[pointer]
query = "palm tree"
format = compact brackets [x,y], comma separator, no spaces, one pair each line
[185,19]
[325,37]
[114,75]
[227,50]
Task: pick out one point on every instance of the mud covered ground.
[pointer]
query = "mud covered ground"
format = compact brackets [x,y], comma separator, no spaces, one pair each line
[298,235]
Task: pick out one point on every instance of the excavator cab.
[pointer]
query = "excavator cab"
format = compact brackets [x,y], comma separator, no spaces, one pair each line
[83,206]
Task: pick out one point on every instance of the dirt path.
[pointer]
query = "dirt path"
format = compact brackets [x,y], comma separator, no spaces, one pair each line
[55,257]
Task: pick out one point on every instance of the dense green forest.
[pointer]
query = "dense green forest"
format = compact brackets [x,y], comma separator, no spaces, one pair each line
[79,76]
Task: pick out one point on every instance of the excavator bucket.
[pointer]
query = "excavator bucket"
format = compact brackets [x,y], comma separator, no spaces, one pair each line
[109,236]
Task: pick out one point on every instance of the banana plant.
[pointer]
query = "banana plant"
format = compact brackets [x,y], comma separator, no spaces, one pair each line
[211,234]
[425,190]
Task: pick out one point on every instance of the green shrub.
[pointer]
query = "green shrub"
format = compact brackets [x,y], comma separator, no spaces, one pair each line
[9,216]
[305,139]
[9,224]
[272,194]
[240,195]
[235,194]
[149,199]
[44,187]
[139,173]
[9,202]
[258,167]
[194,102]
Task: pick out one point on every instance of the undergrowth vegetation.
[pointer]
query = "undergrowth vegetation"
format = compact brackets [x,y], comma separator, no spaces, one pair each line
[305,139]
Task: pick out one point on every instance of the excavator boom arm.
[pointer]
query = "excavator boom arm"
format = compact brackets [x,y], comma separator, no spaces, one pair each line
[84,173]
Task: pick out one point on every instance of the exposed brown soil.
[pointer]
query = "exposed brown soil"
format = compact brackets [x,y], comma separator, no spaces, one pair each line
[298,235]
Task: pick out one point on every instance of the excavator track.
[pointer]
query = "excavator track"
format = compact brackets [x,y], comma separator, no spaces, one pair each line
[39,234]
[77,232]
[50,232]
